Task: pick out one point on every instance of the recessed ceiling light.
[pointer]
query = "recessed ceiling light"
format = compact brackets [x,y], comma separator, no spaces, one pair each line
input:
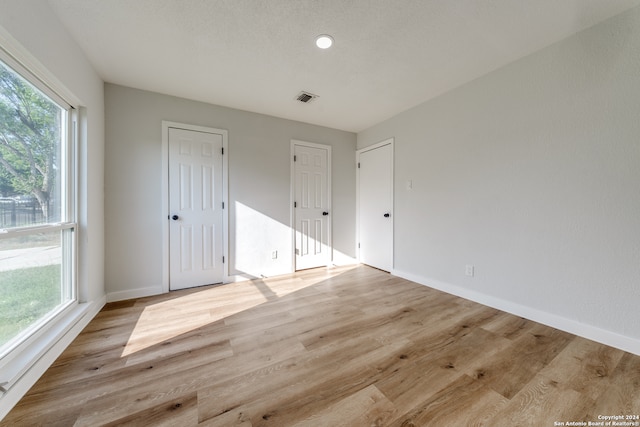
[324,41]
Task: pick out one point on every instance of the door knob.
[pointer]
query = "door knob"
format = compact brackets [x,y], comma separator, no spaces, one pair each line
[175,217]
[387,215]
[325,213]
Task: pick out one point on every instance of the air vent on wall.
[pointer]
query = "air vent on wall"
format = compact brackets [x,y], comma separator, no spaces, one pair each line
[306,97]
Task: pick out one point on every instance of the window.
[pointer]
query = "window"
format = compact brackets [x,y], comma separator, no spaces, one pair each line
[37,220]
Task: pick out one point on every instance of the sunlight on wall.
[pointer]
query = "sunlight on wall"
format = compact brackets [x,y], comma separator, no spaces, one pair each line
[257,238]
[340,258]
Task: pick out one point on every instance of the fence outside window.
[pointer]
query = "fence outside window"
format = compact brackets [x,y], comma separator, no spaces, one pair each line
[20,212]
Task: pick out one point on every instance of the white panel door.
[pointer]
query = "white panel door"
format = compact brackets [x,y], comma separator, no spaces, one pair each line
[375,205]
[311,206]
[195,206]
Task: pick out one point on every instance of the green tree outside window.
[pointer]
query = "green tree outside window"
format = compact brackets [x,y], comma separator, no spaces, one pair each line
[29,136]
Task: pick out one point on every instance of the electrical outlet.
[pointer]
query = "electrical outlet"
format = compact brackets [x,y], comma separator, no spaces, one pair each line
[274,255]
[469,270]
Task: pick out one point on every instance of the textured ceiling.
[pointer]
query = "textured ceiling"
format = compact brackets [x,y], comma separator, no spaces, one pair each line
[257,55]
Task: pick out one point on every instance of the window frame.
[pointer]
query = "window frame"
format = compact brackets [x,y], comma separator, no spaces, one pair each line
[26,348]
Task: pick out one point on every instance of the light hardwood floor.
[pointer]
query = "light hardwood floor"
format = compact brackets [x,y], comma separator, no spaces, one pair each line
[349,346]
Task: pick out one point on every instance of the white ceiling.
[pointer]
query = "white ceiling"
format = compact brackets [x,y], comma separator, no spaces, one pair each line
[257,55]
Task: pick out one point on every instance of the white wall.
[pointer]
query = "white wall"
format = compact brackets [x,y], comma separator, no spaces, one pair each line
[30,29]
[532,174]
[259,192]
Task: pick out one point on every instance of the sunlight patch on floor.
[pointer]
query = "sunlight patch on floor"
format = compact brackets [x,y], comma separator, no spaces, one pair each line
[167,320]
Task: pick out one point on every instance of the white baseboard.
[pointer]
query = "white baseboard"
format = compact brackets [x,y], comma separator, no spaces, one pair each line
[133,293]
[591,332]
[60,337]
[234,278]
[341,259]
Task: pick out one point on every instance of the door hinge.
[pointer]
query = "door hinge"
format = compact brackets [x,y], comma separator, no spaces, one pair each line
[222,205]
[222,151]
[223,260]
[295,158]
[358,245]
[295,204]
[358,165]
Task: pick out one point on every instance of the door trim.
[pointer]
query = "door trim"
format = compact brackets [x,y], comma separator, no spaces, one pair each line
[389,141]
[292,219]
[166,125]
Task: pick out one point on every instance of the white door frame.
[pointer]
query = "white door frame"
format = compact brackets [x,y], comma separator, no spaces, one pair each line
[389,141]
[292,219]
[166,125]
